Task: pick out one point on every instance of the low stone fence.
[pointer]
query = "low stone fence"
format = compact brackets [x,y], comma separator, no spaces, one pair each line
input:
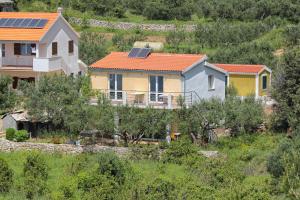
[130,26]
[9,146]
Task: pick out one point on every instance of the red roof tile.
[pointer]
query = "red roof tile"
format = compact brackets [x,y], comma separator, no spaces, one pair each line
[17,34]
[154,62]
[240,68]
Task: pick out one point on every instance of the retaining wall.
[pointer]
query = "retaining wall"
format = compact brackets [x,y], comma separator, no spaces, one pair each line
[129,25]
[9,146]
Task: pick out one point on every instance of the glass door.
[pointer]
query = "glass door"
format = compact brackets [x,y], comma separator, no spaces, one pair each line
[115,86]
[156,88]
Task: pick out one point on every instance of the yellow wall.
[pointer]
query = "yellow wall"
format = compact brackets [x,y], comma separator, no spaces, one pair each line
[136,81]
[245,84]
[261,91]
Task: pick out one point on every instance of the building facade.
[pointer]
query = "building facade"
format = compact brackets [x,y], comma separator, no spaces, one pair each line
[158,79]
[36,44]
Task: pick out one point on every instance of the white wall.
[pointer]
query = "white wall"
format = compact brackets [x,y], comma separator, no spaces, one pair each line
[11,59]
[62,34]
[196,80]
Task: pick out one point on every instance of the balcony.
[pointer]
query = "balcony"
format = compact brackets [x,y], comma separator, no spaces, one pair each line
[47,64]
[143,99]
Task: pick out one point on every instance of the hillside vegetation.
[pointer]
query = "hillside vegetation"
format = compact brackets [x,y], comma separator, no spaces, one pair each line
[254,32]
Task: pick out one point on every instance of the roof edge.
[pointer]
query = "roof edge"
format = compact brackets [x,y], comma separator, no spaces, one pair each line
[203,59]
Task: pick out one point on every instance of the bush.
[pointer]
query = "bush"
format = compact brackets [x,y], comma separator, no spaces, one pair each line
[6,177]
[35,175]
[143,152]
[112,166]
[10,133]
[96,186]
[21,136]
[179,150]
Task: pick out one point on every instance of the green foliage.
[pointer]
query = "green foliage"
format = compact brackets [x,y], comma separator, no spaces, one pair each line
[92,47]
[249,52]
[243,115]
[179,150]
[112,166]
[96,186]
[292,34]
[7,95]
[160,189]
[228,33]
[21,135]
[284,165]
[113,8]
[10,133]
[59,100]
[286,89]
[35,175]
[142,152]
[6,177]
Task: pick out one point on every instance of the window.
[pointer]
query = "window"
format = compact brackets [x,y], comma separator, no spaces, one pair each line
[3,50]
[156,88]
[211,82]
[115,86]
[24,49]
[54,48]
[79,73]
[264,82]
[71,46]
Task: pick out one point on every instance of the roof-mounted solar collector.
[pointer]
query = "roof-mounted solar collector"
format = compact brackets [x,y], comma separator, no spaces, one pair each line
[139,52]
[22,23]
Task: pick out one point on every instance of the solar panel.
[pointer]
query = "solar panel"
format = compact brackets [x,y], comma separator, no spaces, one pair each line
[2,21]
[25,22]
[134,52]
[33,23]
[41,23]
[22,23]
[144,52]
[10,22]
[17,22]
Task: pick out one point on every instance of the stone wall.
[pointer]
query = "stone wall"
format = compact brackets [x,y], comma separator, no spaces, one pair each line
[129,26]
[8,146]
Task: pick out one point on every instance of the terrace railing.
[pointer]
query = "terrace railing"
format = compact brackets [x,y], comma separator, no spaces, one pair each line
[143,99]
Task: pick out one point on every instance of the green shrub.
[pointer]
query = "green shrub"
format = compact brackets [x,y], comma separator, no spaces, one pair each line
[96,186]
[179,150]
[35,173]
[112,166]
[160,189]
[144,152]
[6,177]
[21,136]
[10,133]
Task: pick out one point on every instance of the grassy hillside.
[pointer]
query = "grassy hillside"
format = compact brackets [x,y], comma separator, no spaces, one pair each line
[241,167]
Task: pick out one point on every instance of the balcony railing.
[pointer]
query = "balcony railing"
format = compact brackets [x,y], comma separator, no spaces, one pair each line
[47,64]
[142,99]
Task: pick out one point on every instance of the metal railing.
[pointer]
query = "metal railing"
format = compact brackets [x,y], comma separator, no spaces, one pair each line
[143,99]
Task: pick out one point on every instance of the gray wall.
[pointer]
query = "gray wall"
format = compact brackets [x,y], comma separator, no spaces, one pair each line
[9,122]
[196,80]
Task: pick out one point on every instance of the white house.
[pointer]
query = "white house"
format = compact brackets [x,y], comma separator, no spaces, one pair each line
[35,44]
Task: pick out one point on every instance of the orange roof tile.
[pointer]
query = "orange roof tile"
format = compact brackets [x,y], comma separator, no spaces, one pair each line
[154,62]
[23,34]
[240,68]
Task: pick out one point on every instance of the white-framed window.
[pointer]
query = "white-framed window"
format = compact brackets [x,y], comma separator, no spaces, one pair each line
[264,82]
[156,88]
[211,82]
[115,86]
[3,50]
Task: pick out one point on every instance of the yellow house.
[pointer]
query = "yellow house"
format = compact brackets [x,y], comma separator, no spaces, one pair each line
[158,79]
[248,79]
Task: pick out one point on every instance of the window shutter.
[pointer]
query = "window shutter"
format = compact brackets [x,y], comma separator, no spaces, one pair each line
[71,46]
[17,48]
[54,48]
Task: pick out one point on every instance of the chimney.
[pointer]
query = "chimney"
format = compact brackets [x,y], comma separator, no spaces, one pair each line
[59,10]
